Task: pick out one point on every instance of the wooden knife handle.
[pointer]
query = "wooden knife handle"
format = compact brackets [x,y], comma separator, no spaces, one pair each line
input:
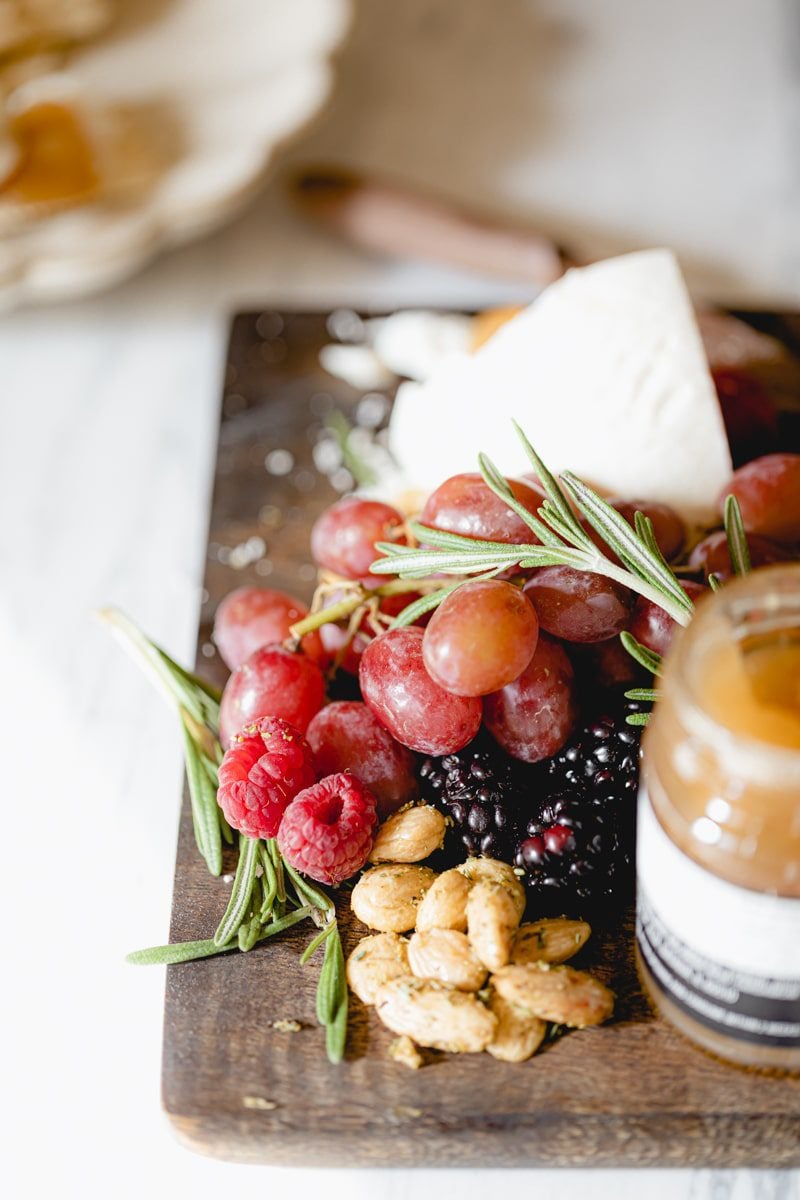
[392,219]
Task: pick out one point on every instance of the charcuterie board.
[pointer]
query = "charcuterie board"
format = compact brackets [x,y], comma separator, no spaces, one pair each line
[245,1076]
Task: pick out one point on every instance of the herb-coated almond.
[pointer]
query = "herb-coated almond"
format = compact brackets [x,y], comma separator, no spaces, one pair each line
[409,836]
[492,920]
[435,1015]
[375,961]
[492,870]
[552,940]
[387,897]
[559,994]
[444,905]
[518,1034]
[446,955]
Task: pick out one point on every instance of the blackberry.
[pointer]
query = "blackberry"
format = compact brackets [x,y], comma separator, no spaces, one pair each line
[577,847]
[479,789]
[577,855]
[602,754]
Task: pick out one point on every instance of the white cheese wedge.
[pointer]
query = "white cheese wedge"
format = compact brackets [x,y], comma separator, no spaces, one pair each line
[607,375]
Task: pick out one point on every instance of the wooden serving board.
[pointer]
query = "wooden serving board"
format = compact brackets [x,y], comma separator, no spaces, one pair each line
[632,1093]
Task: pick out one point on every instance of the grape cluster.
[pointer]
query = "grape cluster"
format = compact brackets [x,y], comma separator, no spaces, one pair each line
[504,688]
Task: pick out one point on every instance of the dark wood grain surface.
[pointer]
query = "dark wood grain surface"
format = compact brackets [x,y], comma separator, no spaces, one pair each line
[632,1093]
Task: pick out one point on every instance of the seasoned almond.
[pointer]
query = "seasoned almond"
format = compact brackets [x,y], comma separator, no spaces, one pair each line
[559,994]
[409,836]
[552,940]
[436,1015]
[446,955]
[492,870]
[518,1034]
[375,961]
[387,897]
[492,920]
[444,905]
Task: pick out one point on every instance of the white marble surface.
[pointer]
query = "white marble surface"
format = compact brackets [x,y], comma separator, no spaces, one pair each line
[107,446]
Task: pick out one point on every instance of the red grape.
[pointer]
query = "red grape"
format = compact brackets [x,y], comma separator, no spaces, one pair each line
[654,627]
[413,707]
[750,415]
[480,638]
[343,538]
[251,617]
[712,557]
[668,527]
[578,605]
[347,736]
[273,682]
[465,504]
[532,717]
[768,491]
[604,664]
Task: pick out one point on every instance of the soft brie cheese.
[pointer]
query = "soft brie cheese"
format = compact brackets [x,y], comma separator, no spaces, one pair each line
[607,375]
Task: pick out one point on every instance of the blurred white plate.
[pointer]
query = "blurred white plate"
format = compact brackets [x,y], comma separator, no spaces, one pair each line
[237,77]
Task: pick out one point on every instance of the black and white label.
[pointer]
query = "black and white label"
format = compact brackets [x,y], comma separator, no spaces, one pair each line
[727,956]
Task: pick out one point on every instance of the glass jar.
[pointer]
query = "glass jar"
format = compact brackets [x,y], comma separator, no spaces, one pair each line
[718,842]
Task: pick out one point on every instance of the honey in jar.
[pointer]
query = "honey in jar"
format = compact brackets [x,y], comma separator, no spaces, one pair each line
[718,843]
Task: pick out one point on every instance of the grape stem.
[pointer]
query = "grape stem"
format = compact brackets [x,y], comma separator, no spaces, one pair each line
[361,595]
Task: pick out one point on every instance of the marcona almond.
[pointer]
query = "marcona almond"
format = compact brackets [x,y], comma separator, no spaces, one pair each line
[444,905]
[559,994]
[518,1034]
[387,897]
[409,835]
[552,940]
[375,961]
[492,870]
[446,955]
[492,920]
[435,1015]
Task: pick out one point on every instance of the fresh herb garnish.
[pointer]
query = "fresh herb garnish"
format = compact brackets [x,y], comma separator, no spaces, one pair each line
[268,896]
[342,431]
[562,541]
[737,539]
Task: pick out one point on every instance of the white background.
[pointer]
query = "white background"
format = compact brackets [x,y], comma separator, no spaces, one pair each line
[106,453]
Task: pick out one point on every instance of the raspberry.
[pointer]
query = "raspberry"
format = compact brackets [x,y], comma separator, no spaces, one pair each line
[267,764]
[326,831]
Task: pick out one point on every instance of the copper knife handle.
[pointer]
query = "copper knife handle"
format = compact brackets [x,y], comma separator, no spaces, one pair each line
[390,218]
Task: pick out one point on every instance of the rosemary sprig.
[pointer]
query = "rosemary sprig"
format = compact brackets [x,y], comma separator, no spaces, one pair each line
[180,686]
[342,430]
[181,952]
[241,892]
[737,538]
[259,898]
[562,540]
[206,816]
[332,996]
[197,706]
[646,658]
[431,600]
